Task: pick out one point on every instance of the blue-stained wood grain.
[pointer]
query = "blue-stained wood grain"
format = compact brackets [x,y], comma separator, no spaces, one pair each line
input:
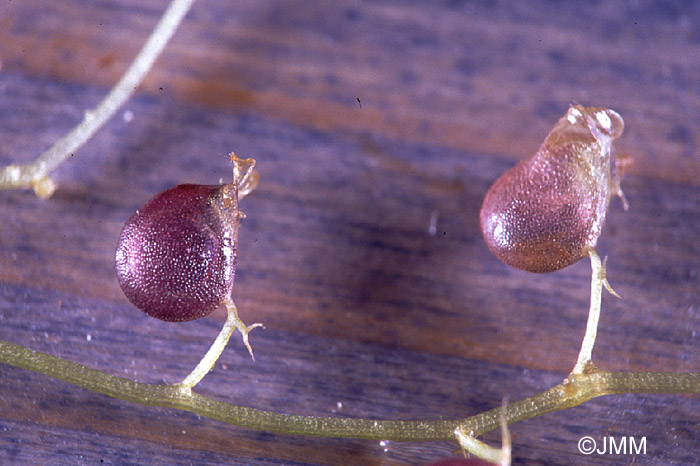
[363,306]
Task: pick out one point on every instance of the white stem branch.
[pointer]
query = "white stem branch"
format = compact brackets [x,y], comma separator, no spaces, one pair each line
[36,174]
[597,283]
[206,364]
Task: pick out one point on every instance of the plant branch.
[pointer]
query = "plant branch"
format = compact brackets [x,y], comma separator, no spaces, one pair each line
[36,174]
[573,391]
[579,388]
[597,279]
[209,360]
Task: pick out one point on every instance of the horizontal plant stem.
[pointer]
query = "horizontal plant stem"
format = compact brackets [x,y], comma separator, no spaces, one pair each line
[169,396]
[575,390]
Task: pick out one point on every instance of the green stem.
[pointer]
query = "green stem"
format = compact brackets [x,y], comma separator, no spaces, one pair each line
[575,390]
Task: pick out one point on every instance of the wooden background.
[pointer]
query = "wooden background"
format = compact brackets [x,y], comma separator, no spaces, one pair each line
[366,313]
